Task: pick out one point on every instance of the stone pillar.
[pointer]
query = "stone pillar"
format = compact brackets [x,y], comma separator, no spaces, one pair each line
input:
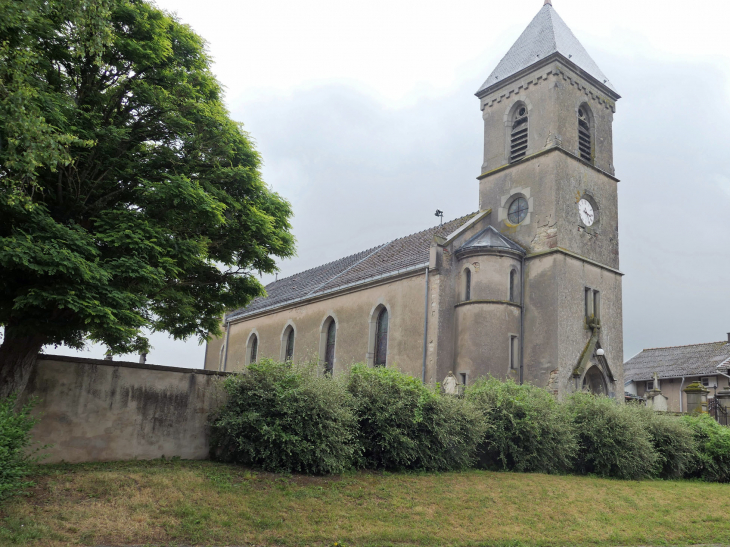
[696,398]
[654,398]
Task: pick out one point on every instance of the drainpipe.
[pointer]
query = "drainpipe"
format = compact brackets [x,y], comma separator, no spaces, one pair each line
[522,320]
[225,354]
[680,394]
[425,332]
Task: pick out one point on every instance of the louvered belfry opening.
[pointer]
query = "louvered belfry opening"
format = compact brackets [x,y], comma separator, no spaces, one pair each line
[518,137]
[584,136]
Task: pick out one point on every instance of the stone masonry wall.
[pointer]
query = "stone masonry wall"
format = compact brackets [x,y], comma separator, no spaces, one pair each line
[94,410]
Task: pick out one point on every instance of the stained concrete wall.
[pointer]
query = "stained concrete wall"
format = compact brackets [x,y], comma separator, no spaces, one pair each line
[354,313]
[93,410]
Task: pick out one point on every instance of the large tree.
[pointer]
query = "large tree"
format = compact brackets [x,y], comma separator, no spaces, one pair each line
[129,199]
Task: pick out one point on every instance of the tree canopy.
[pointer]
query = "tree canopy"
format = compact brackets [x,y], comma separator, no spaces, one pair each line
[129,199]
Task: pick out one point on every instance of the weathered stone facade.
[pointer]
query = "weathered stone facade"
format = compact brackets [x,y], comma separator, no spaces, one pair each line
[543,303]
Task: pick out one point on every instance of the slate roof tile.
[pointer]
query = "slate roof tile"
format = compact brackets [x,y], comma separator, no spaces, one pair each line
[383,260]
[546,34]
[675,362]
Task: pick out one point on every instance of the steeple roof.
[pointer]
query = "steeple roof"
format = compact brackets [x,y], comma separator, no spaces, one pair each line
[545,35]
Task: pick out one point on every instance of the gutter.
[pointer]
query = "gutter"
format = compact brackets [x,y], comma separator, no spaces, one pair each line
[522,320]
[382,278]
[225,354]
[680,394]
[425,332]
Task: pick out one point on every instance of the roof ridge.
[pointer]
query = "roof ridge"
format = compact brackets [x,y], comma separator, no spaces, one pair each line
[328,281]
[723,342]
[325,264]
[371,250]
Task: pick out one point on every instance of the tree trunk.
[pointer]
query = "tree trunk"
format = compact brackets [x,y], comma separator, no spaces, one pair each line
[18,354]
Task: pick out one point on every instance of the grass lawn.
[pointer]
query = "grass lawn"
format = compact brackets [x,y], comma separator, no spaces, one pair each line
[186,502]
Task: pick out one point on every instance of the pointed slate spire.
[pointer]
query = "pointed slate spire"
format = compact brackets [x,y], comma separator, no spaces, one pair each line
[545,35]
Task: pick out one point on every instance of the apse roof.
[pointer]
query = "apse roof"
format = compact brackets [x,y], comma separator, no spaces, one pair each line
[490,238]
[545,35]
[678,361]
[379,262]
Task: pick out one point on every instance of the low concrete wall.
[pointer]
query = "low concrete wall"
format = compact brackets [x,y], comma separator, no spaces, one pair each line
[94,410]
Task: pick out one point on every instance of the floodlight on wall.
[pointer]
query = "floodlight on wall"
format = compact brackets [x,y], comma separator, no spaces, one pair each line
[600,352]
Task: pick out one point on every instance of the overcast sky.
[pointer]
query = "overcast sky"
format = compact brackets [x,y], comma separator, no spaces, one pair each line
[366,118]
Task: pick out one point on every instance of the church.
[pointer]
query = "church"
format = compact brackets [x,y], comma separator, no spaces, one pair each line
[528,287]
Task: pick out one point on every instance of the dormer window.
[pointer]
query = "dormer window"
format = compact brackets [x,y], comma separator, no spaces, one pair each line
[518,135]
[585,148]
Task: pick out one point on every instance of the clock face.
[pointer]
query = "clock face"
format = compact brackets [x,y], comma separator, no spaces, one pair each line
[587,214]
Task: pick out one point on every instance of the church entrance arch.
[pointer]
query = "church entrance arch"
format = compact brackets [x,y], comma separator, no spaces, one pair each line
[594,382]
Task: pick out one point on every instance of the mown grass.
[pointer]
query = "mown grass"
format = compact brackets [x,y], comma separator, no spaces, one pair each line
[185,502]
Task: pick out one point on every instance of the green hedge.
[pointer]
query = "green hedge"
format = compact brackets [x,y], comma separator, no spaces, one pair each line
[712,458]
[403,424]
[528,429]
[291,418]
[286,418]
[15,462]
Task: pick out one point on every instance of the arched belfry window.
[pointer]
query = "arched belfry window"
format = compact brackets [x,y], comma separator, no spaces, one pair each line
[253,349]
[585,147]
[518,134]
[467,284]
[329,352]
[381,339]
[289,341]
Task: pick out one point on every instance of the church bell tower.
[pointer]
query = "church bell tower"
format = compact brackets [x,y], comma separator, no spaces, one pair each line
[548,177]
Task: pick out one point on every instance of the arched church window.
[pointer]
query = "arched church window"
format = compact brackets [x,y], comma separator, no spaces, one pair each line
[512,281]
[584,135]
[253,354]
[329,352]
[517,211]
[518,135]
[289,351]
[381,339]
[467,284]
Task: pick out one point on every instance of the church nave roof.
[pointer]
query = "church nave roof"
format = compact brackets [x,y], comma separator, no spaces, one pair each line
[382,261]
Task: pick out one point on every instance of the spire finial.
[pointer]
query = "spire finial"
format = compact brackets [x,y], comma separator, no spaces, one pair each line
[548,3]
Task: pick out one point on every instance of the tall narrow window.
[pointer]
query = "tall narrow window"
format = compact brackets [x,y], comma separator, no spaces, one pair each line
[381,339]
[254,349]
[597,305]
[512,291]
[329,353]
[589,303]
[518,135]
[289,353]
[513,353]
[467,284]
[584,135]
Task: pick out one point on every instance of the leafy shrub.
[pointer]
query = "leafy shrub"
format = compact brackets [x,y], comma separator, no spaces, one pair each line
[529,431]
[449,433]
[673,441]
[287,418]
[403,424]
[612,438]
[15,463]
[712,459]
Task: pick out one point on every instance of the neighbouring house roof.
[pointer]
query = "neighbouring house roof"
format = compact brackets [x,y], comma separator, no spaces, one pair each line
[382,261]
[545,35]
[490,239]
[675,362]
